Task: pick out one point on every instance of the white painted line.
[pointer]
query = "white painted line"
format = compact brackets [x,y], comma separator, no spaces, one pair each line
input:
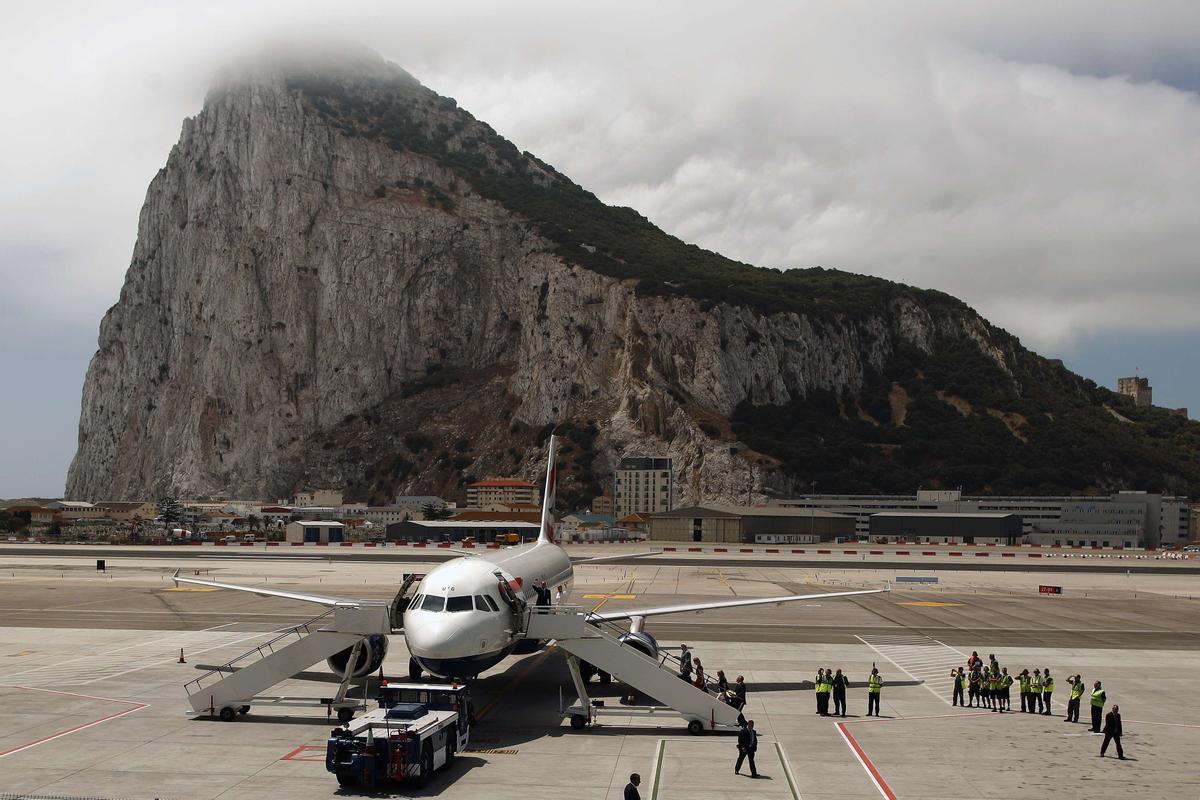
[886,795]
[936,694]
[136,707]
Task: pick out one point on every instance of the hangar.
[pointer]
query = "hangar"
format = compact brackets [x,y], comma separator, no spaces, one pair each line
[749,525]
[967,528]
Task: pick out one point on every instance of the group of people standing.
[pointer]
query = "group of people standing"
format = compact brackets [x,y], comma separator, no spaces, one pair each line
[989,685]
[833,684]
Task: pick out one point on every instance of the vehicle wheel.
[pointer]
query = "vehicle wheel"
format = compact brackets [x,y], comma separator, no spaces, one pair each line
[605,678]
[426,767]
[228,714]
[578,721]
[695,727]
[345,715]
[346,779]
[244,710]
[414,669]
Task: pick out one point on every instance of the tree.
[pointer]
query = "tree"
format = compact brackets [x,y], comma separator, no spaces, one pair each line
[434,511]
[17,520]
[253,522]
[170,511]
[55,529]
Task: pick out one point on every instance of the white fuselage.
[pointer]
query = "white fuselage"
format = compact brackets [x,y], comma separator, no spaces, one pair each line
[459,622]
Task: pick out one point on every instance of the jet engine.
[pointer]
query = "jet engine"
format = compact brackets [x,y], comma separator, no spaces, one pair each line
[370,657]
[642,642]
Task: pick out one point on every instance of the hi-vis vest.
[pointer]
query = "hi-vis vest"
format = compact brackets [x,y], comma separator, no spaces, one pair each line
[875,684]
[1035,684]
[1005,681]
[1024,684]
[821,685]
[1048,686]
[1098,697]
[994,683]
[1077,690]
[965,681]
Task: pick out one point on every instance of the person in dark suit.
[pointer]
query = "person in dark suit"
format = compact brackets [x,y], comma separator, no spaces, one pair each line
[747,744]
[840,683]
[631,790]
[1112,732]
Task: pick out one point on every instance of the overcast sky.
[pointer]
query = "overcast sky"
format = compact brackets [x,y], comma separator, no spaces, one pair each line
[1039,160]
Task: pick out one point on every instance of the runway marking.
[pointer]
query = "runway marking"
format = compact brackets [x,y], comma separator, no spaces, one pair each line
[928,658]
[516,681]
[787,772]
[190,589]
[865,762]
[657,770]
[136,707]
[927,604]
[609,597]
[295,755]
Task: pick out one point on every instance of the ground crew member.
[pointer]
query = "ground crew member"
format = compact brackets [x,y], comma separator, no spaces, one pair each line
[993,663]
[818,685]
[1047,690]
[994,687]
[973,688]
[747,744]
[824,690]
[1112,732]
[1006,683]
[840,684]
[874,687]
[985,687]
[1035,692]
[1073,703]
[1098,699]
[1024,679]
[960,686]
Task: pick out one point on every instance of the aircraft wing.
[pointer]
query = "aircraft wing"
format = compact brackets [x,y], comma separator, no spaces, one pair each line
[610,616]
[599,559]
[262,591]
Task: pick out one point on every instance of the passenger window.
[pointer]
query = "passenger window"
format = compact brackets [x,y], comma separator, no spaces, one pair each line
[491,602]
[460,603]
[433,603]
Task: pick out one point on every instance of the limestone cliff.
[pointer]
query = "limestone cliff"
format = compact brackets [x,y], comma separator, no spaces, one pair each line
[340,278]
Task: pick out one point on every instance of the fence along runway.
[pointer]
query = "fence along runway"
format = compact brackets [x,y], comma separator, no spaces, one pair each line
[921,658]
[83,670]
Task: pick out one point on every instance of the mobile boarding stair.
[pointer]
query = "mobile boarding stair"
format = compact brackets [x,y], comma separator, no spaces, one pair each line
[587,641]
[231,689]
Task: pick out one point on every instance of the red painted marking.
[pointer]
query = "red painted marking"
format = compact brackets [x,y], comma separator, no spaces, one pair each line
[346,544]
[668,549]
[984,555]
[1033,555]
[956,554]
[369,544]
[929,552]
[772,550]
[824,552]
[136,707]
[743,550]
[295,754]
[297,544]
[720,550]
[876,552]
[863,759]
[849,552]
[1008,555]
[693,549]
[797,551]
[902,553]
[443,544]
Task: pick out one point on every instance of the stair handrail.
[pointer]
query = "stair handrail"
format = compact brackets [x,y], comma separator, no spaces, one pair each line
[666,656]
[228,666]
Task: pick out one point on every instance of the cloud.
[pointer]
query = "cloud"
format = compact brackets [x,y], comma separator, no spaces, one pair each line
[1037,160]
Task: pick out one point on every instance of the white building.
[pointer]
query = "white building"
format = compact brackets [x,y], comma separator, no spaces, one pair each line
[644,486]
[318,497]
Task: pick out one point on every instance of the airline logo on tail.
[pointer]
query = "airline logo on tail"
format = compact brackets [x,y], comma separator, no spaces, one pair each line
[546,534]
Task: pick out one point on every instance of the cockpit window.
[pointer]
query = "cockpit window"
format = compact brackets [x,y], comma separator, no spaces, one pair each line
[491,602]
[433,603]
[460,603]
[481,603]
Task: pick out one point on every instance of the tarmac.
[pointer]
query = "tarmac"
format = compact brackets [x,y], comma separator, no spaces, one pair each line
[92,687]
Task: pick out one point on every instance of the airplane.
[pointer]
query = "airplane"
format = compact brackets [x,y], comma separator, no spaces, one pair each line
[462,619]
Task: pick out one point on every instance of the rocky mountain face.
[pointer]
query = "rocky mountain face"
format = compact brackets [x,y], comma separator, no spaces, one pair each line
[342,279]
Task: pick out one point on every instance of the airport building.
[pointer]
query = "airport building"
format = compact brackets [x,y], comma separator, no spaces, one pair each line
[749,525]
[938,528]
[456,530]
[314,531]
[1130,519]
[643,486]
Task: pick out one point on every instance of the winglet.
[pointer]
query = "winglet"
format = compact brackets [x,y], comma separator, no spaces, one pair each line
[546,533]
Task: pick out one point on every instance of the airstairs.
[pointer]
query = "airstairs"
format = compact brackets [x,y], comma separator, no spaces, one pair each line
[584,640]
[234,686]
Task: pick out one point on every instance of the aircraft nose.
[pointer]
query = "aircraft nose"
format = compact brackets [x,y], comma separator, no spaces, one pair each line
[438,637]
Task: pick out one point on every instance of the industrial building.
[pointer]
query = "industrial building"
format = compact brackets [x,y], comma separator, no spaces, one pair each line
[938,528]
[643,486]
[314,531]
[1140,518]
[749,525]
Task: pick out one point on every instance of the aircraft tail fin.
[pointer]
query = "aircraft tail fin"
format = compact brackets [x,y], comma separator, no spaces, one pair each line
[546,534]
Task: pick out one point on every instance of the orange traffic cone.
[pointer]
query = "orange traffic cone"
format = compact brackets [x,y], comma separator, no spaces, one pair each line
[182,660]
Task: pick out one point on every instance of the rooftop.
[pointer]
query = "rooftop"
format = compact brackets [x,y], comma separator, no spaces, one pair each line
[501,483]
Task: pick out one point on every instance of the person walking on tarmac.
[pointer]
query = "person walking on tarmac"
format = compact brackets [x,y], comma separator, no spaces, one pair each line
[1006,683]
[1112,732]
[960,684]
[1099,697]
[1035,692]
[747,744]
[1076,682]
[874,687]
[1047,690]
[840,684]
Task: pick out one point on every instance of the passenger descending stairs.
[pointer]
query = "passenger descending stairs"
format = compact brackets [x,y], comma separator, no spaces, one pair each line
[574,634]
[235,684]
